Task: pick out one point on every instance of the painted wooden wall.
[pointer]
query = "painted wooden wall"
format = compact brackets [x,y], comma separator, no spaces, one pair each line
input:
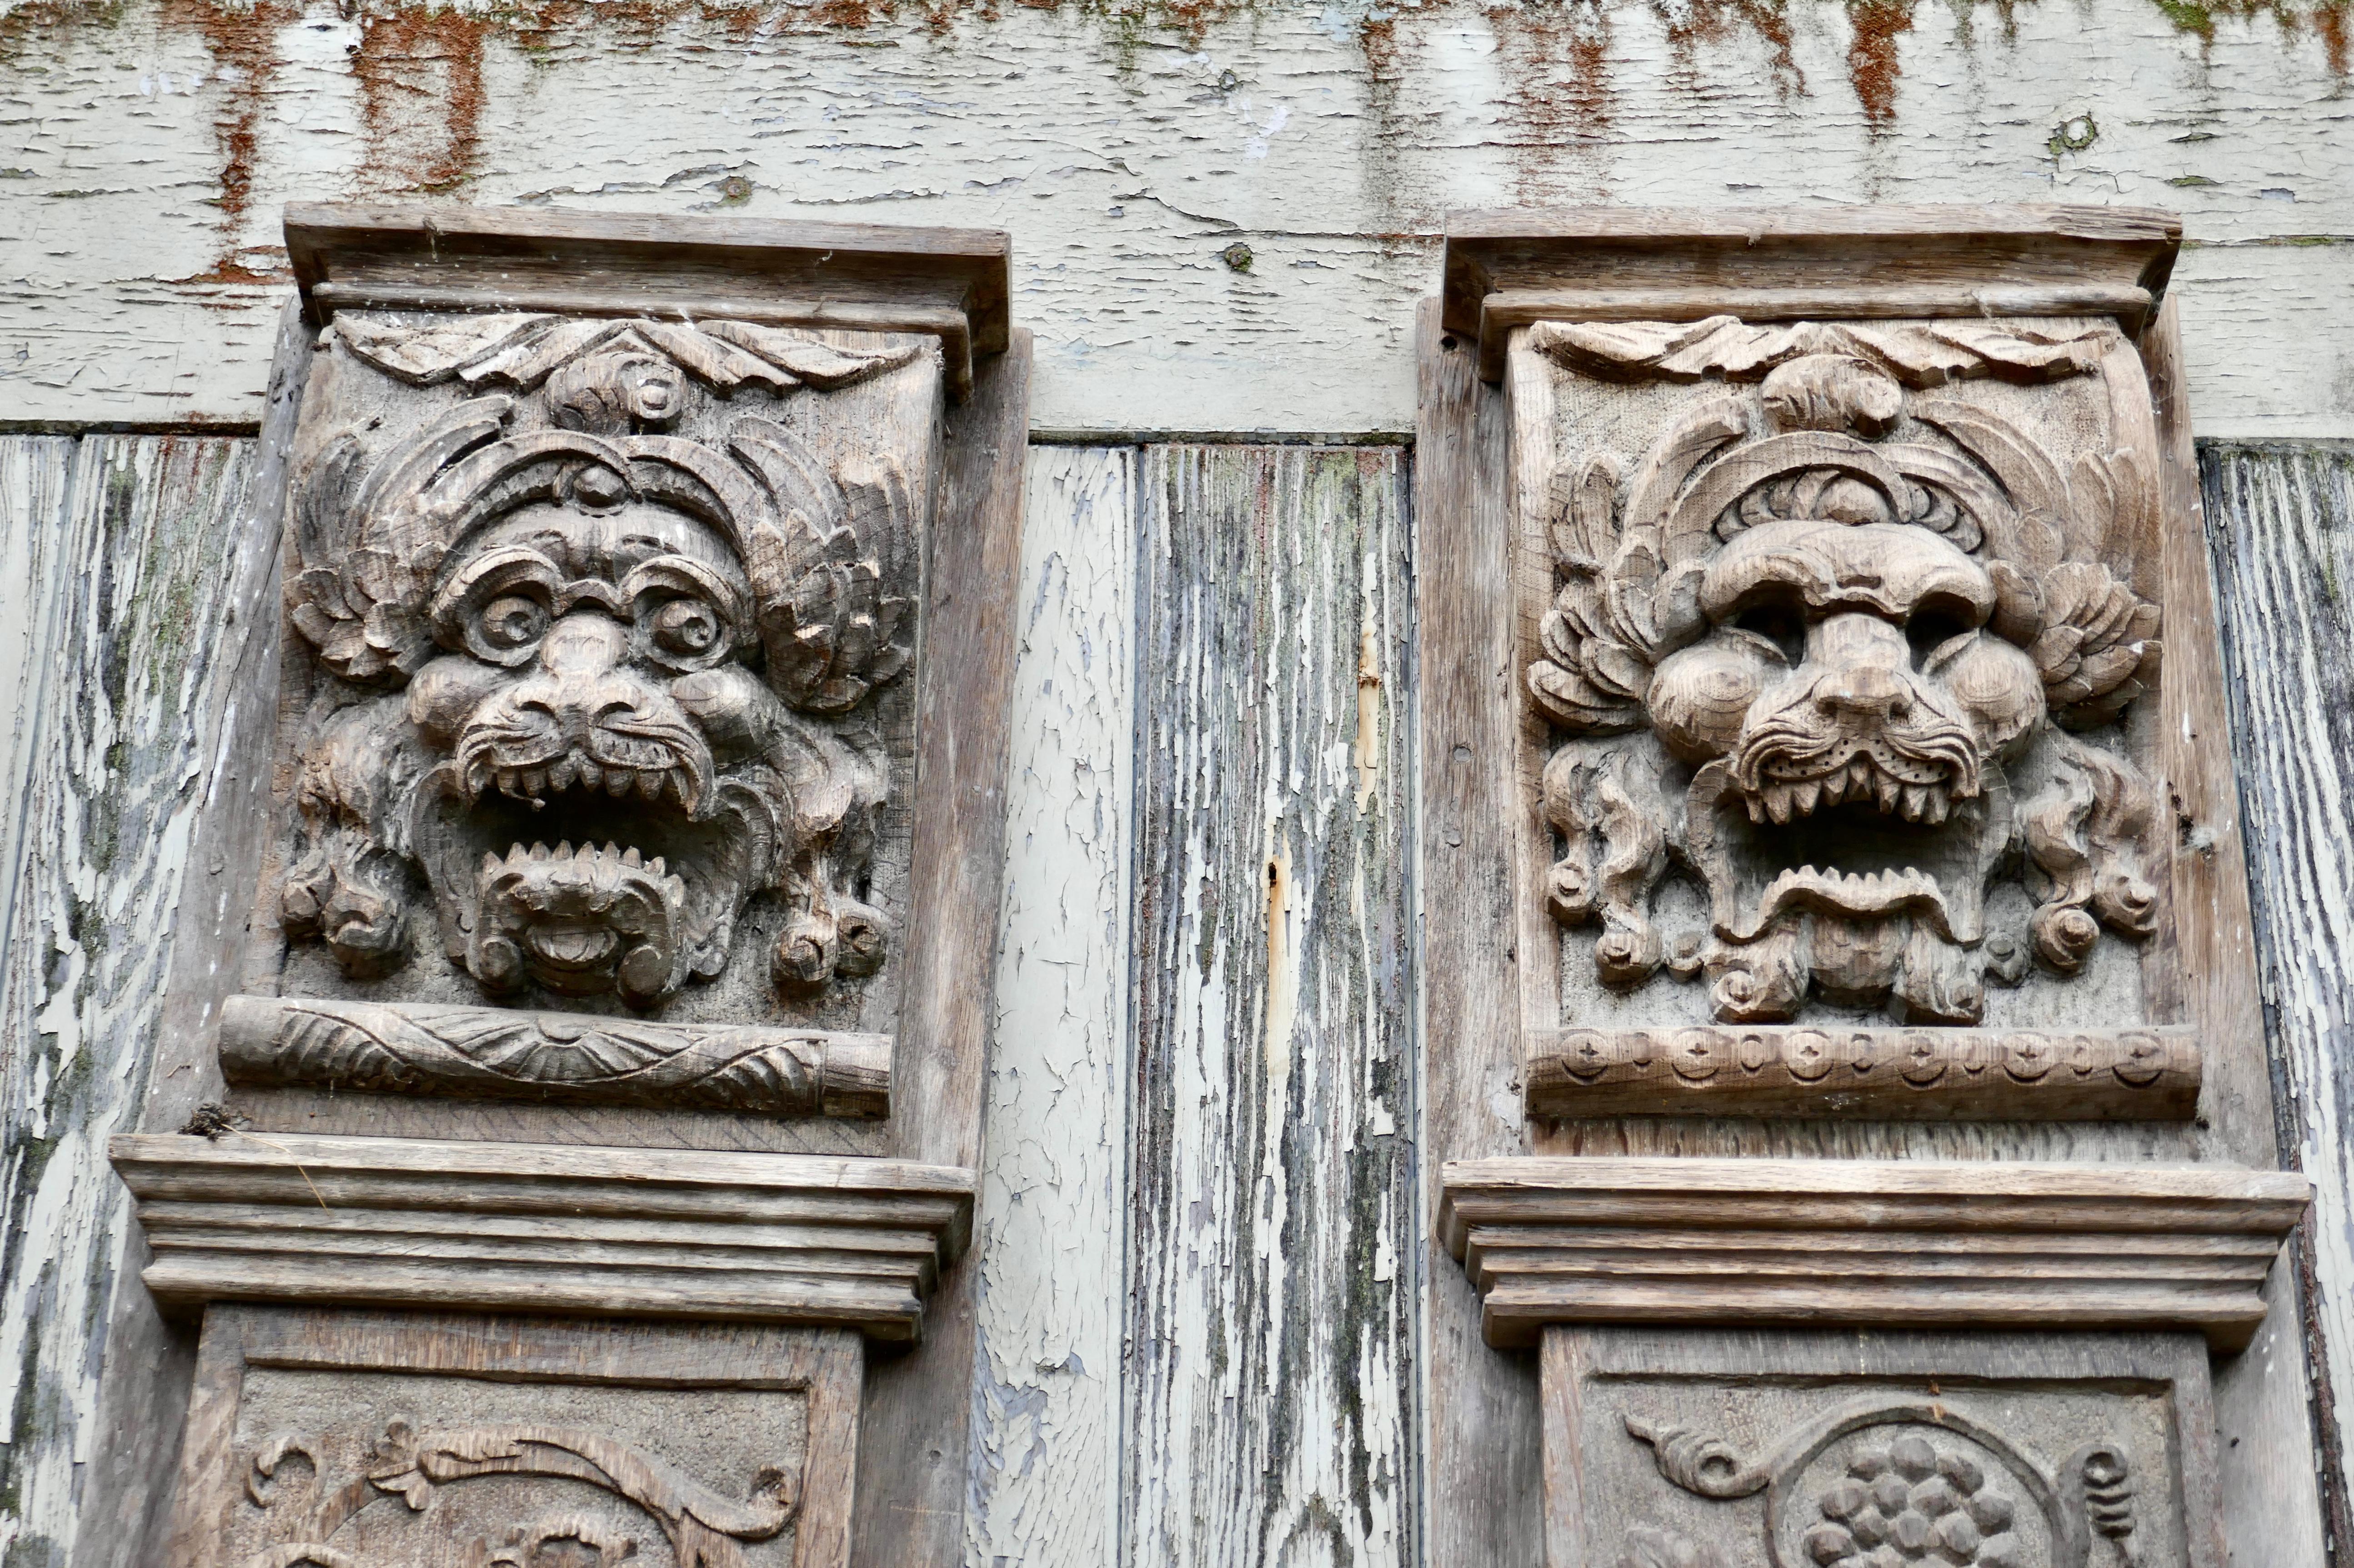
[1223,210]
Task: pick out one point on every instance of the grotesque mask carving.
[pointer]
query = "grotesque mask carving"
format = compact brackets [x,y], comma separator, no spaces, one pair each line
[1852,621]
[618,676]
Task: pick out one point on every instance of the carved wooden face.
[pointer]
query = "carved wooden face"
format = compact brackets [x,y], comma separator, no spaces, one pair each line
[1850,708]
[592,693]
[1849,611]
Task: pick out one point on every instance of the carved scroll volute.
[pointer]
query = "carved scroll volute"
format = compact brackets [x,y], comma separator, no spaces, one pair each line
[611,621]
[1841,639]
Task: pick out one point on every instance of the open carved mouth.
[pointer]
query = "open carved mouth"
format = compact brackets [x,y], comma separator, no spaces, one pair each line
[1856,840]
[665,852]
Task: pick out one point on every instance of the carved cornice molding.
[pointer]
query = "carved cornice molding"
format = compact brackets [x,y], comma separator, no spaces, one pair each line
[950,281]
[1509,268]
[399,1223]
[1745,1242]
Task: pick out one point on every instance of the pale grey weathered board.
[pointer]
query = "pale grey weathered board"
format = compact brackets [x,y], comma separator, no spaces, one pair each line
[118,650]
[1272,1323]
[2280,525]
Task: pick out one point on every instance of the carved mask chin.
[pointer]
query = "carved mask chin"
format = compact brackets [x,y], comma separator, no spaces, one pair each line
[590,698]
[1849,714]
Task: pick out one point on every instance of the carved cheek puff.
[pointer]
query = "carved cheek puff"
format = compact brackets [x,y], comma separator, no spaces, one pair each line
[734,708]
[1996,685]
[444,694]
[1701,695]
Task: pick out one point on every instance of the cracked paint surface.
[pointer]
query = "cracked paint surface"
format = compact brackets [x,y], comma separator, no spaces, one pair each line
[146,146]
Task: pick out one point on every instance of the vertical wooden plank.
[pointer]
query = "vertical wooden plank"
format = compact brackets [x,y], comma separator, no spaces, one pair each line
[115,782]
[1271,1409]
[144,1388]
[1049,1232]
[912,1435]
[2281,530]
[1484,1484]
[2266,1470]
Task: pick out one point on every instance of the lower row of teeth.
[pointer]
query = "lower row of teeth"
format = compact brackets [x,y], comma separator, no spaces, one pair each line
[629,858]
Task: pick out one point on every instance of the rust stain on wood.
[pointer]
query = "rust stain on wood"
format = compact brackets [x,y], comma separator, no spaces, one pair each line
[1873,67]
[421,76]
[242,40]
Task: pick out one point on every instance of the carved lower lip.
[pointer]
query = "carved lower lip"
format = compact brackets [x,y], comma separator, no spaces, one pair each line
[1857,894]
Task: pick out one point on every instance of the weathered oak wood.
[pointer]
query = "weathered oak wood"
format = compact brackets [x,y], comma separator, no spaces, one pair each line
[1506,270]
[2066,1449]
[525,1227]
[2266,1462]
[2032,1247]
[1483,1481]
[424,1049]
[915,1428]
[1271,1210]
[1049,1233]
[2281,530]
[1931,1073]
[339,1436]
[871,276]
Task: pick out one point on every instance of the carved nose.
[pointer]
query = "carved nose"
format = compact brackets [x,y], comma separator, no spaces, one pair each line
[585,642]
[1864,691]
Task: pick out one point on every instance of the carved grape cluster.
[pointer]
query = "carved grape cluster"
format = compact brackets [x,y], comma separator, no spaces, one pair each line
[1911,1503]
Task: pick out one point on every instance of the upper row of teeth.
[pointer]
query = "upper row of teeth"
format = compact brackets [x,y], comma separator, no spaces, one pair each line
[531,783]
[1858,781]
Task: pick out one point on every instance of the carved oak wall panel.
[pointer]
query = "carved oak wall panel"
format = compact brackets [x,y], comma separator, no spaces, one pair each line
[1830,1451]
[335,1440]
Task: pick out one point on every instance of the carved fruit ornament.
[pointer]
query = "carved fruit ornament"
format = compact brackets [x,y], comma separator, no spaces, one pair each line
[1831,650]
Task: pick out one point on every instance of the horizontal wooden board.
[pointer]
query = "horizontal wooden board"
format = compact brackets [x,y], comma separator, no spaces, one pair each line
[1222,216]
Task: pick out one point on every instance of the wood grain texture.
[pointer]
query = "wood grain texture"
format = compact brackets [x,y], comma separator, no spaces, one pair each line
[1871,1244]
[129,659]
[532,1227]
[661,1413]
[1125,152]
[1506,269]
[1930,1074]
[2267,1473]
[1482,1484]
[2281,530]
[1272,1298]
[914,1432]
[1051,1227]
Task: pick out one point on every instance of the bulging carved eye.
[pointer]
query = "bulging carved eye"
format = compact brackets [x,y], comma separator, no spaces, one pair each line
[687,628]
[513,620]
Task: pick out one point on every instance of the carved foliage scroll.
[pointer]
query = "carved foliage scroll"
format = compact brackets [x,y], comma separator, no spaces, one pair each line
[1843,621]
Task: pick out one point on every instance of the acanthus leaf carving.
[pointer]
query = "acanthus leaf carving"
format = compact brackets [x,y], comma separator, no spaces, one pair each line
[1848,615]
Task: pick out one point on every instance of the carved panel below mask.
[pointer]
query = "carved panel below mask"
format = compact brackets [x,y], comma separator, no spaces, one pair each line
[357,1440]
[1830,1451]
[1835,641]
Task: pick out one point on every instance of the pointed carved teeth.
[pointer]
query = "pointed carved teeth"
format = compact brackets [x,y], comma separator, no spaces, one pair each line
[591,775]
[629,858]
[650,785]
[618,781]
